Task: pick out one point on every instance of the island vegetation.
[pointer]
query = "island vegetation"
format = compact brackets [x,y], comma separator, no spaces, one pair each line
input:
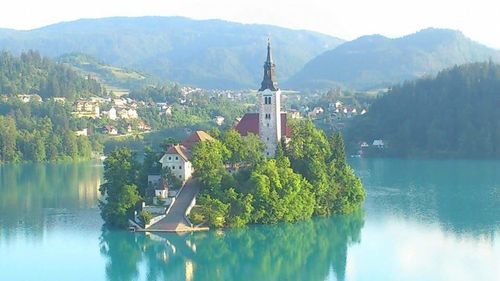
[309,176]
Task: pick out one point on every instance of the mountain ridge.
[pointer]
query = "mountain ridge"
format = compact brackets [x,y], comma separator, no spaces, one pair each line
[378,61]
[207,53]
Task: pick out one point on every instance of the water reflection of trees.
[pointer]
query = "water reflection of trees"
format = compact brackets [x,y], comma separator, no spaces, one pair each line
[309,250]
[461,195]
[36,196]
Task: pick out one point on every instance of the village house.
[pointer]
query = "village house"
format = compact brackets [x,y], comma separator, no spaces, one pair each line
[87,109]
[143,126]
[178,157]
[378,144]
[128,114]
[315,112]
[83,132]
[29,98]
[61,100]
[219,120]
[120,103]
[110,130]
[158,189]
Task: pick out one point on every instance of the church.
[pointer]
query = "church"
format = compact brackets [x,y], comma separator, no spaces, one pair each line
[270,123]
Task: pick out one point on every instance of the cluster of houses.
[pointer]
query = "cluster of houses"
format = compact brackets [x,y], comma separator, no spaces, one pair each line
[337,110]
[121,108]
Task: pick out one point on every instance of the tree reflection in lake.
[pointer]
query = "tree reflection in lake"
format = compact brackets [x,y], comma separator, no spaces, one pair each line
[309,250]
[37,197]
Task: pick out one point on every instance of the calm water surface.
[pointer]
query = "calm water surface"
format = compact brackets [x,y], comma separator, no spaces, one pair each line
[422,220]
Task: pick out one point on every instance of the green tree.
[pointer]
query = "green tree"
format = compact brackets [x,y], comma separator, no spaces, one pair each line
[208,163]
[120,174]
[8,135]
[215,210]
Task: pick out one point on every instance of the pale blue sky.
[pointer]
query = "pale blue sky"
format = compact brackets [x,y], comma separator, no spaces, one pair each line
[348,19]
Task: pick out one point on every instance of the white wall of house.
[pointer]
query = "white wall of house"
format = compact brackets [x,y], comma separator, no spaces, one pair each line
[180,168]
[161,193]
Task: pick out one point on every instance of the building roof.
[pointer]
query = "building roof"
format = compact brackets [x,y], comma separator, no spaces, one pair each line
[269,81]
[196,137]
[250,124]
[180,150]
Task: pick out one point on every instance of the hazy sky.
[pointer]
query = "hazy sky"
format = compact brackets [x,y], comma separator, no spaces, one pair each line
[348,19]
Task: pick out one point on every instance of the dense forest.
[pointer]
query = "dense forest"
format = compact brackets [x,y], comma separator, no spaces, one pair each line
[41,131]
[454,114]
[32,74]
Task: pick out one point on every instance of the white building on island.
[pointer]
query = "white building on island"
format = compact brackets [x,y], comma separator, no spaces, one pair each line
[178,157]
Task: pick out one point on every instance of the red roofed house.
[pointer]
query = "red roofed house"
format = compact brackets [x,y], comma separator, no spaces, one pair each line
[270,124]
[178,157]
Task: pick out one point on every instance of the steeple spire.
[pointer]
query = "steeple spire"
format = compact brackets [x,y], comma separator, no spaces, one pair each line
[269,80]
[269,58]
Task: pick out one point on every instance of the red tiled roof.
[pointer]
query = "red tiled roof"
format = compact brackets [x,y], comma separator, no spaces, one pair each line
[196,137]
[180,150]
[250,124]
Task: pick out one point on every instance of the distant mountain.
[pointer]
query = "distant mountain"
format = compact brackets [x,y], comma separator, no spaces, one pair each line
[207,53]
[377,61]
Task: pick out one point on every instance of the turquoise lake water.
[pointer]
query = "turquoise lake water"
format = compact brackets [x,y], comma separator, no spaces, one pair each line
[422,220]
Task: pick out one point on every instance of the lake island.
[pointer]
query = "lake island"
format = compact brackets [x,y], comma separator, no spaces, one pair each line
[267,168]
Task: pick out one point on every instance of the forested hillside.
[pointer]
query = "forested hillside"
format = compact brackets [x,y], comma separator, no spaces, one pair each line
[452,115]
[41,130]
[106,74]
[32,74]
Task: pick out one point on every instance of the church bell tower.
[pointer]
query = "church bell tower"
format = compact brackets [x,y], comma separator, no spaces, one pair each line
[269,107]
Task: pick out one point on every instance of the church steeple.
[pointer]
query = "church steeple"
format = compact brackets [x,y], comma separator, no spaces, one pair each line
[269,80]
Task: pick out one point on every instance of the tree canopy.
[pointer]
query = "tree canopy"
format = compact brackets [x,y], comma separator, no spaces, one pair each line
[120,172]
[308,176]
[32,74]
[454,114]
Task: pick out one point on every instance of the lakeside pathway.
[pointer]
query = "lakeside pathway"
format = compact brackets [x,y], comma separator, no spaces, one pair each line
[175,221]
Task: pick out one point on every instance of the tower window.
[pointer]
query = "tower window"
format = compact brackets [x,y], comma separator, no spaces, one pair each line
[267,100]
[268,115]
[267,124]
